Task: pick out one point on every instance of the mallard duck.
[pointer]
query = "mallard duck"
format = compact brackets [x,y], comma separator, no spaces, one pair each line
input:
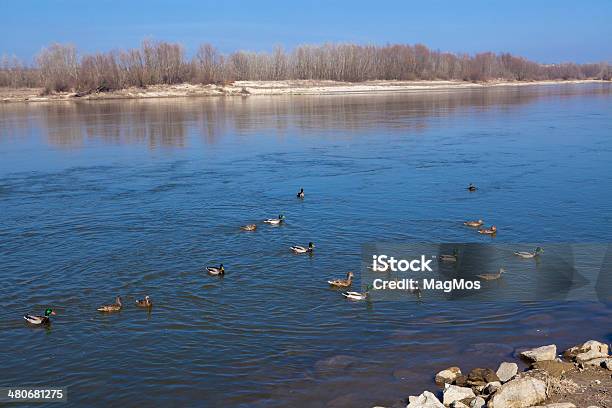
[38,320]
[146,302]
[343,283]
[356,295]
[529,255]
[474,223]
[488,231]
[492,276]
[303,250]
[472,187]
[249,227]
[301,193]
[213,270]
[450,258]
[275,221]
[112,308]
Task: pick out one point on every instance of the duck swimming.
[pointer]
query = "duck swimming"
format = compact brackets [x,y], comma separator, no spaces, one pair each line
[356,295]
[146,302]
[488,231]
[343,283]
[249,227]
[275,221]
[529,255]
[303,250]
[492,276]
[472,187]
[112,308]
[301,193]
[40,320]
[474,223]
[450,258]
[213,270]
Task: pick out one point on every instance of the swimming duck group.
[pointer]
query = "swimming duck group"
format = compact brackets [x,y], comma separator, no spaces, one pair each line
[298,249]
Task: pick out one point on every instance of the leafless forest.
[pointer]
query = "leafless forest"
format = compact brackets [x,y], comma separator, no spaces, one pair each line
[60,68]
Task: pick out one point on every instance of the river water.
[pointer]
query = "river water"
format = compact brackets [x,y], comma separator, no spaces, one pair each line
[135,197]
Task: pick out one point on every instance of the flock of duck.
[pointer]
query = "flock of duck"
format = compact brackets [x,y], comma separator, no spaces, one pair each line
[298,249]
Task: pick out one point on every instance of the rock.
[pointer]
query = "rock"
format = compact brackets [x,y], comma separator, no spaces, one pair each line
[454,393]
[506,371]
[448,376]
[561,405]
[425,400]
[590,355]
[461,380]
[519,393]
[478,402]
[586,351]
[458,404]
[543,353]
[491,388]
[597,362]
[553,368]
[481,376]
[607,363]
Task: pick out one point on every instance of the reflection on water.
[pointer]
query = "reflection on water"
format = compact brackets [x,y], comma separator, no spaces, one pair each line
[166,122]
[130,198]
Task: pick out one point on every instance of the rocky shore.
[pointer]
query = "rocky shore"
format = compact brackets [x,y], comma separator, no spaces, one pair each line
[246,88]
[579,378]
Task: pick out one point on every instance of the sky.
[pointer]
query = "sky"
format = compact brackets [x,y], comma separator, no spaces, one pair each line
[541,30]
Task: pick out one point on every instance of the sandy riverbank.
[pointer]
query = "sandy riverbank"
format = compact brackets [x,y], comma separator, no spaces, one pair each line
[247,88]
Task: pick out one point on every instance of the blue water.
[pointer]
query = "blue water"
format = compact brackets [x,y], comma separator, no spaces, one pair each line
[136,197]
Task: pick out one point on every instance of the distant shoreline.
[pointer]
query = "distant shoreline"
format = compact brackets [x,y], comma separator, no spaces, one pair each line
[269,88]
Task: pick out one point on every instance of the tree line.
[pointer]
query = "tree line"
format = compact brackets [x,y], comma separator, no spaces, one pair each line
[60,68]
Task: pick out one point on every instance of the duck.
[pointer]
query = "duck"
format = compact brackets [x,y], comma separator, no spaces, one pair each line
[488,231]
[529,255]
[356,295]
[343,283]
[112,308]
[249,227]
[301,193]
[146,302]
[213,270]
[40,320]
[473,223]
[303,250]
[472,187]
[450,258]
[492,276]
[275,221]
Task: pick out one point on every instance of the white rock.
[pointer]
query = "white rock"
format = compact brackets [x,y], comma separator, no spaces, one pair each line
[598,362]
[425,400]
[590,355]
[607,363]
[561,405]
[506,371]
[519,393]
[454,393]
[491,388]
[587,351]
[458,404]
[448,376]
[541,353]
[478,402]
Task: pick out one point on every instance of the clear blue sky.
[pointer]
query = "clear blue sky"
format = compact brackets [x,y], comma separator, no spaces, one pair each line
[542,30]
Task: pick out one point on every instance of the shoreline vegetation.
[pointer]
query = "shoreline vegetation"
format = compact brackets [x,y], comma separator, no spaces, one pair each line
[159,69]
[269,88]
[580,378]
